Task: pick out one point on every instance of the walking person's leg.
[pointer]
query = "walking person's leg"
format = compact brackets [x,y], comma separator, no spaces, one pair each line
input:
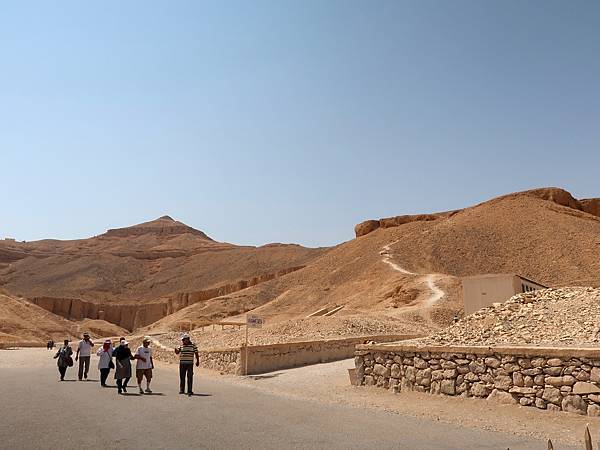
[148,373]
[80,373]
[125,384]
[87,366]
[62,371]
[190,380]
[139,375]
[119,385]
[103,376]
[182,370]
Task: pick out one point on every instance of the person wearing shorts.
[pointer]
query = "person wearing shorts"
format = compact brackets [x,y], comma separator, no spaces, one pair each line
[144,365]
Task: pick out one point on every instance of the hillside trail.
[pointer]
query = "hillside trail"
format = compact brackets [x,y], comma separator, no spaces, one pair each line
[436,293]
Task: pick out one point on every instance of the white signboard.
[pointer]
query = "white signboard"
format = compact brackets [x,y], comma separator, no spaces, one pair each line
[254,321]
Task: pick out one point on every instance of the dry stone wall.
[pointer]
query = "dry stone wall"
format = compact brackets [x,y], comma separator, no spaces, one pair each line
[546,378]
[224,361]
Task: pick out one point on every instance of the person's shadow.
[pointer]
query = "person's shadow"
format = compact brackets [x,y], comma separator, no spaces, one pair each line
[200,395]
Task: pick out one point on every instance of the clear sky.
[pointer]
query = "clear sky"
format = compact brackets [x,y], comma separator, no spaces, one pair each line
[280,121]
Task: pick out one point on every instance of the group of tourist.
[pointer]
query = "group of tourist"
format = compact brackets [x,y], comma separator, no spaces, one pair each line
[187,351]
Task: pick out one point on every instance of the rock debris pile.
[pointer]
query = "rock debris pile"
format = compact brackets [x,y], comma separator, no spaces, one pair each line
[550,317]
[296,330]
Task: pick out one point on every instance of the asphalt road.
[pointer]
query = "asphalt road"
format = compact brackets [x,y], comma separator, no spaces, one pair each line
[37,411]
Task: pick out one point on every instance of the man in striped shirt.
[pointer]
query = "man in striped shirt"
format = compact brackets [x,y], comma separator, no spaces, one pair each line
[186,352]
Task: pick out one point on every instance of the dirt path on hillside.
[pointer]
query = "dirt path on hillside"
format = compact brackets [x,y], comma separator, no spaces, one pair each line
[428,279]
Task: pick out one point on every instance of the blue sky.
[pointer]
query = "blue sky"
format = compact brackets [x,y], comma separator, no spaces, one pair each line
[277,121]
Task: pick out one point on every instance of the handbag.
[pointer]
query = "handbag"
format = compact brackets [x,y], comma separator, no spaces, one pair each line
[69,361]
[111,365]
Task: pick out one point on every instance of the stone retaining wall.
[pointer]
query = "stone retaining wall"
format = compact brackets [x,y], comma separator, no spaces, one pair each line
[267,358]
[222,360]
[566,379]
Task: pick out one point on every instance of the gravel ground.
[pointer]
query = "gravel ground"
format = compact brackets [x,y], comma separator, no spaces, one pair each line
[567,316]
[305,329]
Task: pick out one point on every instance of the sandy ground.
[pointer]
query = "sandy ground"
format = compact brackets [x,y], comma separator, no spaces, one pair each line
[279,410]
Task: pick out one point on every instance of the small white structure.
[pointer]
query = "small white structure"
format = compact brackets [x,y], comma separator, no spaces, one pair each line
[480,291]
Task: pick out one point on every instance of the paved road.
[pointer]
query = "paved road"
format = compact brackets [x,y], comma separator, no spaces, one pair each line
[37,411]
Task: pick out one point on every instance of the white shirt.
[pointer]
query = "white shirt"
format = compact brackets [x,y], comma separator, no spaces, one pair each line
[85,348]
[104,358]
[144,352]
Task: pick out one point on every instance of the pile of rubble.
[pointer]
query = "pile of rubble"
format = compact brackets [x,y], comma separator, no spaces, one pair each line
[297,330]
[550,317]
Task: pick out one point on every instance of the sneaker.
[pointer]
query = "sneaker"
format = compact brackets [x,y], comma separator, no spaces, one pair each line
[141,391]
[85,376]
[119,391]
[190,394]
[148,391]
[124,388]
[181,392]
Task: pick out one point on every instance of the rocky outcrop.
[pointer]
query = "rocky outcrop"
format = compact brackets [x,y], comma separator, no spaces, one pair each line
[126,315]
[555,195]
[136,315]
[388,222]
[164,225]
[591,206]
[182,299]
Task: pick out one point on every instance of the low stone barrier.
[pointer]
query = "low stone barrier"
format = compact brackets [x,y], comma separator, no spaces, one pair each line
[267,358]
[222,360]
[566,379]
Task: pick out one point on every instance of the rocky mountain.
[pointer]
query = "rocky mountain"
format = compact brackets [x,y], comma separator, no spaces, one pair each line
[409,267]
[136,275]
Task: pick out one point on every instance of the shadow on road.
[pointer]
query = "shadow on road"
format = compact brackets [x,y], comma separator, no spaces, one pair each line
[200,395]
[263,377]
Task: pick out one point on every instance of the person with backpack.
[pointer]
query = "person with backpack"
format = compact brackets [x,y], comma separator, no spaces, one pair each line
[186,352]
[105,362]
[64,359]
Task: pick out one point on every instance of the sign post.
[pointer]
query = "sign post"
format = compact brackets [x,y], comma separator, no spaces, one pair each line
[252,321]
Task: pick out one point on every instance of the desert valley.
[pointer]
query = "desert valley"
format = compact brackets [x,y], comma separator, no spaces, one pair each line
[400,275]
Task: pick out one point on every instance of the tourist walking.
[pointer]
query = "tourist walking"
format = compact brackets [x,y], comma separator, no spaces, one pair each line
[84,353]
[144,365]
[64,359]
[123,359]
[186,352]
[105,362]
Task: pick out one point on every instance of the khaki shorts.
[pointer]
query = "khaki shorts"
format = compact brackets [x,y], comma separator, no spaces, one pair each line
[140,373]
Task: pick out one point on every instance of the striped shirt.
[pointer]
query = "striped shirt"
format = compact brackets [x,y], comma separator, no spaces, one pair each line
[187,352]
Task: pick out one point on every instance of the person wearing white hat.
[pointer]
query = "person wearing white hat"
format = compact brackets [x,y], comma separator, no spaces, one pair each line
[105,361]
[84,352]
[186,352]
[144,364]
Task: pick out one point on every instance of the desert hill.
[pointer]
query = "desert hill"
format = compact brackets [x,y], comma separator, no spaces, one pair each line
[135,275]
[396,269]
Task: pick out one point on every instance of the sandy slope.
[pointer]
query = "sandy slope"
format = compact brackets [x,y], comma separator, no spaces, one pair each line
[402,271]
